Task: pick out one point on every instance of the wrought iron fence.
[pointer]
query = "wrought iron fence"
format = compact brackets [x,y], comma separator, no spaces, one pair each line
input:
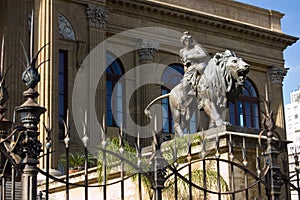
[225,165]
[221,165]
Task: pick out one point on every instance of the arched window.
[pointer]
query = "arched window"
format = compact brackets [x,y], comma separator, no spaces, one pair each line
[245,110]
[114,72]
[171,77]
[62,91]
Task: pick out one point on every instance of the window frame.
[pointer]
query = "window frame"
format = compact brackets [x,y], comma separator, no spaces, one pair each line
[113,74]
[250,99]
[62,90]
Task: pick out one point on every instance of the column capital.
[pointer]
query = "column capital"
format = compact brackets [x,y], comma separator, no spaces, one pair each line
[97,16]
[146,49]
[276,74]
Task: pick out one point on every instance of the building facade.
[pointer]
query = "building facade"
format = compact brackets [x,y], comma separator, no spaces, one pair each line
[292,121]
[134,42]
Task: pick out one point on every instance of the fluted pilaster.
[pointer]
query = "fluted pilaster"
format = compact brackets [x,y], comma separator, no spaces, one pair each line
[44,29]
[276,75]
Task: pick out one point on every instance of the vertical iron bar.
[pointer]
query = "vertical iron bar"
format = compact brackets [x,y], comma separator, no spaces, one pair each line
[139,163]
[85,139]
[67,141]
[217,155]
[203,155]
[48,145]
[121,149]
[258,171]
[219,179]
[40,195]
[189,159]
[259,190]
[245,163]
[13,182]
[47,173]
[175,167]
[204,179]
[190,180]
[104,156]
[176,184]
[159,171]
[140,185]
[286,185]
[231,157]
[3,189]
[246,185]
[122,180]
[86,180]
[296,159]
[298,183]
[274,176]
[232,181]
[158,194]
[104,174]
[67,172]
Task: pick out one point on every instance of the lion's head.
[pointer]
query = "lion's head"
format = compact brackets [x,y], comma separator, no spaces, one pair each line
[234,71]
[223,78]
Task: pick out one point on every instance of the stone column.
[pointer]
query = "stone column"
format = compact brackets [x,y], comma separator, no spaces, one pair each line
[146,50]
[276,75]
[97,16]
[43,23]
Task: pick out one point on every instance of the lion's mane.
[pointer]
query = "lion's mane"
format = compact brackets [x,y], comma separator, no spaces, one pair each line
[217,83]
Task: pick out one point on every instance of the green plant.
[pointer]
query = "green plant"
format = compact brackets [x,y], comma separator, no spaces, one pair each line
[113,161]
[180,146]
[76,160]
[197,178]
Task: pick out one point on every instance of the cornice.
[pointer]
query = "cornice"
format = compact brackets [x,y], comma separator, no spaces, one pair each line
[86,2]
[210,23]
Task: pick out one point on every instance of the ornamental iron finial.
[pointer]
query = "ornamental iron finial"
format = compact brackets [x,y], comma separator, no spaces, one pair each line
[31,76]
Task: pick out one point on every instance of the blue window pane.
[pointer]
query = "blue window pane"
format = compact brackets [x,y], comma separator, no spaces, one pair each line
[193,124]
[246,92]
[255,117]
[171,76]
[114,104]
[109,118]
[165,125]
[62,81]
[240,114]
[62,89]
[61,106]
[248,114]
[247,108]
[109,70]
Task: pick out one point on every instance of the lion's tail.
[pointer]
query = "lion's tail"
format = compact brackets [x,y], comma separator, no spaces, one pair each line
[147,111]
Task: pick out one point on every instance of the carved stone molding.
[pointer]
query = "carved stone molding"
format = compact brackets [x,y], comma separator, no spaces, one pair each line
[277,74]
[65,29]
[97,16]
[181,17]
[146,50]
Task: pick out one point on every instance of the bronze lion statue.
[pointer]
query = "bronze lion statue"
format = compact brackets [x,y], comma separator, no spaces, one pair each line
[222,82]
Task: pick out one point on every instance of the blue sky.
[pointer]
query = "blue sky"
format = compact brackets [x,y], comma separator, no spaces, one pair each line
[290,25]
